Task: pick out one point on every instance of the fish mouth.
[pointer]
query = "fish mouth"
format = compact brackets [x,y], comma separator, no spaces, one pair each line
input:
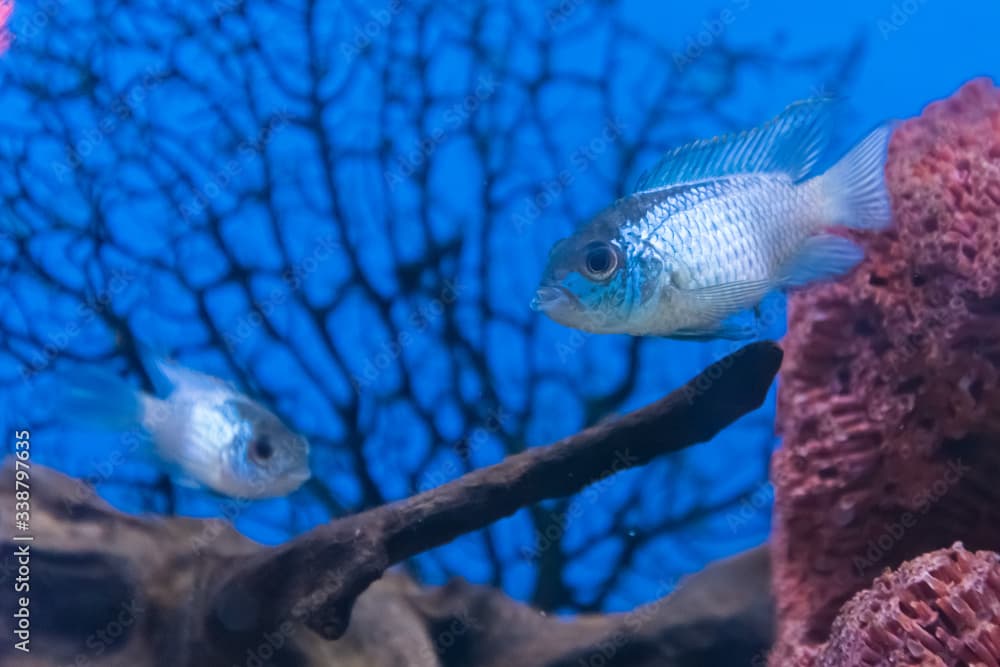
[552,297]
[290,483]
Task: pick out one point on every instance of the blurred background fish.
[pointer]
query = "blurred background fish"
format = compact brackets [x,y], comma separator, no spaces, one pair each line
[200,428]
[714,227]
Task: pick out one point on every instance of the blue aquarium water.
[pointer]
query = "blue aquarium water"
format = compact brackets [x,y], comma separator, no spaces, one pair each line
[345,208]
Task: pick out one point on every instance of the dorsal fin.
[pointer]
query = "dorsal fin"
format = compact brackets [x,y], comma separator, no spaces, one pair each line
[790,143]
[166,375]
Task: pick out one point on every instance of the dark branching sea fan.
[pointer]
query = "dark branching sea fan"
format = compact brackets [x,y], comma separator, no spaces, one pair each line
[343,207]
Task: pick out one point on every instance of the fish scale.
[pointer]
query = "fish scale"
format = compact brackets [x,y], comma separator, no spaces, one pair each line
[728,222]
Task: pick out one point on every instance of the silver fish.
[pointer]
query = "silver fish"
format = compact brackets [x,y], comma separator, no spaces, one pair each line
[715,226]
[200,427]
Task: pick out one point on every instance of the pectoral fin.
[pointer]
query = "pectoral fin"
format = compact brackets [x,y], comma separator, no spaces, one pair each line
[718,302]
[724,310]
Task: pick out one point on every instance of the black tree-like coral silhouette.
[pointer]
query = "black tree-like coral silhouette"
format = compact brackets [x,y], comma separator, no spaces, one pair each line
[343,206]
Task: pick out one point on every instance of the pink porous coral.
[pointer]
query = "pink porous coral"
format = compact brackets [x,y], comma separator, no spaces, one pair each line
[6,9]
[941,609]
[889,403]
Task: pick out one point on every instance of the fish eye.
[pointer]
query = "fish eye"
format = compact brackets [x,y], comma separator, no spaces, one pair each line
[600,259]
[261,449]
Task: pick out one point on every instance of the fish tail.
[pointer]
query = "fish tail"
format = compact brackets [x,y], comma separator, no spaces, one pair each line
[854,189]
[98,399]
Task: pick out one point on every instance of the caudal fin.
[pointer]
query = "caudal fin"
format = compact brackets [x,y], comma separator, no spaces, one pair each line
[97,399]
[854,188]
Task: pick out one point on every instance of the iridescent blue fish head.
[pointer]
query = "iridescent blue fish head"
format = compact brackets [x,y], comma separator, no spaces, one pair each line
[593,281]
[268,459]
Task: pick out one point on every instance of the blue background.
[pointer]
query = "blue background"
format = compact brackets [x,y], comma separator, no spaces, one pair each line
[345,207]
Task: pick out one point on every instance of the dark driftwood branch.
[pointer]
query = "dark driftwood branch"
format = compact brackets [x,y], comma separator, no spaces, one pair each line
[194,592]
[721,616]
[339,560]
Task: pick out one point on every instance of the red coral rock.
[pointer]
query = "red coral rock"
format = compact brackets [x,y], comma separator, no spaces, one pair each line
[6,9]
[941,609]
[889,402]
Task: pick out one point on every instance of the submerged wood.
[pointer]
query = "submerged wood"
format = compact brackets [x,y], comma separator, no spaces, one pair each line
[188,592]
